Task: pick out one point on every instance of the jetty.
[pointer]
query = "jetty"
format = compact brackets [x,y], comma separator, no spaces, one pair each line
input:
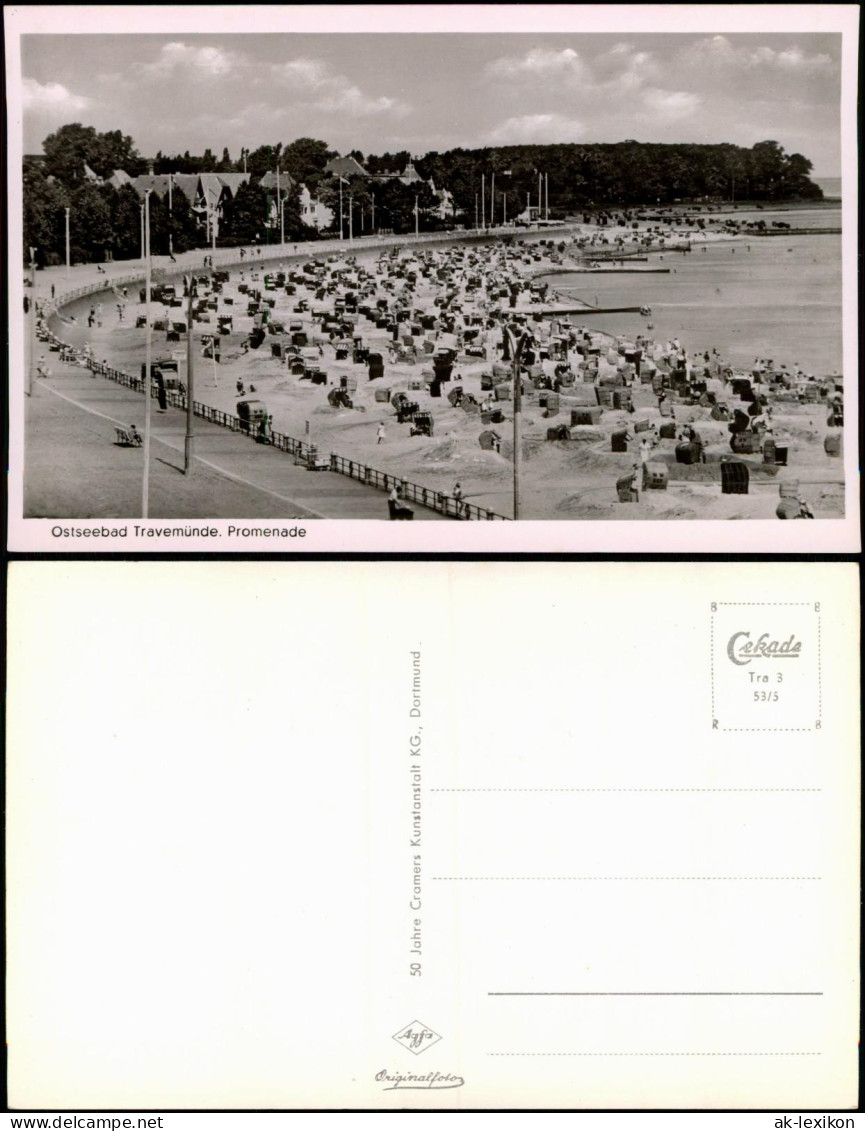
[797,232]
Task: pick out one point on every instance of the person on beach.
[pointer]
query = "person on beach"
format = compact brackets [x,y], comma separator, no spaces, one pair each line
[134,434]
[380,434]
[458,498]
[636,483]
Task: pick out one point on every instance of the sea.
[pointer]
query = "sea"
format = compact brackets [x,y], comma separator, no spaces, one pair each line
[775,298]
[831,186]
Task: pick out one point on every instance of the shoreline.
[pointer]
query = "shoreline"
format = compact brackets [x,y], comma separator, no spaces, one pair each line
[570,481]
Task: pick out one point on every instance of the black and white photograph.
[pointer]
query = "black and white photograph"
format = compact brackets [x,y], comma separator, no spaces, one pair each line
[287,270]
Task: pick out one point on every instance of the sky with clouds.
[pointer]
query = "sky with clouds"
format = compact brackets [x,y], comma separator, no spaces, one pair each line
[379,92]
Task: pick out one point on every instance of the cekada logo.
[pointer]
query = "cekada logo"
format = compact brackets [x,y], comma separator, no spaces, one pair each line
[741,649]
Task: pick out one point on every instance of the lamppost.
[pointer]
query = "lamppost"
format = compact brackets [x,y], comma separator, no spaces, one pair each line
[170,215]
[416,218]
[145,486]
[517,341]
[32,366]
[68,255]
[282,221]
[350,217]
[281,209]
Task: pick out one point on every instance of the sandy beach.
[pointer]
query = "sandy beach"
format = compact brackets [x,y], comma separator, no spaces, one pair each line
[564,479]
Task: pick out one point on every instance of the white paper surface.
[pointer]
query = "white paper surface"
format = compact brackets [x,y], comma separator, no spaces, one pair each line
[626,900]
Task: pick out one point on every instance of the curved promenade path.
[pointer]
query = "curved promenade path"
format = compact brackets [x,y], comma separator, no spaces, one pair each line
[74,469]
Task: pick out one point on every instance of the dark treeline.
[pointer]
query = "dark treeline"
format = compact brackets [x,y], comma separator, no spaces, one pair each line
[627,173]
[105,221]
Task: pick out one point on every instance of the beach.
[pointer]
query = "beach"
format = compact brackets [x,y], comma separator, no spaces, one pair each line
[708,300]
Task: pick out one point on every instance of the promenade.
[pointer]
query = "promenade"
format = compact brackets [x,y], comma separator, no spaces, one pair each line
[74,469]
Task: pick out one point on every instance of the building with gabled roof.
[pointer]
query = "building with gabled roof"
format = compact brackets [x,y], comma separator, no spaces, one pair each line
[269,180]
[345,167]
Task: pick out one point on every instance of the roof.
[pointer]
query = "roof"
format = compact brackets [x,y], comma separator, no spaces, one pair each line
[233,181]
[211,187]
[158,183]
[286,181]
[345,167]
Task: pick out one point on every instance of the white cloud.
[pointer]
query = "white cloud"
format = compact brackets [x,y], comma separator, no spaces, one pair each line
[671,103]
[718,52]
[539,62]
[336,92]
[51,96]
[352,101]
[537,128]
[197,62]
[302,72]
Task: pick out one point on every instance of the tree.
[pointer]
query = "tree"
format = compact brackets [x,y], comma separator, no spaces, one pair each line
[115,150]
[245,216]
[126,223]
[182,223]
[263,160]
[44,218]
[91,232]
[305,158]
[70,147]
[295,229]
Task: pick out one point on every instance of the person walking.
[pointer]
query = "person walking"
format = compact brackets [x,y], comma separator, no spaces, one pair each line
[636,483]
[380,434]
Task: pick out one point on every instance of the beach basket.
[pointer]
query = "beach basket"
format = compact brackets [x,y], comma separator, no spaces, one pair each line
[623,489]
[655,476]
[552,404]
[734,477]
[619,441]
[789,489]
[833,444]
[689,452]
[502,392]
[641,425]
[668,431]
[382,396]
[787,508]
[774,453]
[745,443]
[589,415]
[489,440]
[623,398]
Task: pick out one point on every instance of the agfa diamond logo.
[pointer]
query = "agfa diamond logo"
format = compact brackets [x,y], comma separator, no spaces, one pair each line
[417,1037]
